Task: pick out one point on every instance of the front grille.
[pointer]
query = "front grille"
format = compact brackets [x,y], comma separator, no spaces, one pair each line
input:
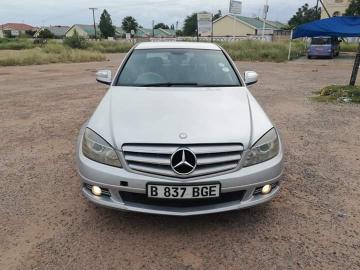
[155,159]
[140,198]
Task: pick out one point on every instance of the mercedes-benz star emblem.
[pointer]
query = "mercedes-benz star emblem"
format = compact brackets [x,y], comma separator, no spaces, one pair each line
[182,135]
[183,161]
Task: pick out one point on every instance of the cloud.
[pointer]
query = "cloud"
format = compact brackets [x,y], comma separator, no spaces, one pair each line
[68,12]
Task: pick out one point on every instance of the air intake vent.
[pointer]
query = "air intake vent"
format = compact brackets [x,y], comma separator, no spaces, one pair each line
[156,159]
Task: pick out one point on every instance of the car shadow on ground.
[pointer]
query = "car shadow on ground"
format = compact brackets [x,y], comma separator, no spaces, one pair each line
[249,217]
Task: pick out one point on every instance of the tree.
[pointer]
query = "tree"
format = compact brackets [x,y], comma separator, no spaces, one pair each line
[106,27]
[45,33]
[353,9]
[179,33]
[305,15]
[129,23]
[76,41]
[190,25]
[161,25]
[217,15]
[172,27]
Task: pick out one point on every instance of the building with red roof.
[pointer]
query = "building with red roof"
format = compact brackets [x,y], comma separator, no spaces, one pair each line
[15,29]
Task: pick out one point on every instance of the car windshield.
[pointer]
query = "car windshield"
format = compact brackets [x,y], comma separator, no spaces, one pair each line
[178,67]
[321,41]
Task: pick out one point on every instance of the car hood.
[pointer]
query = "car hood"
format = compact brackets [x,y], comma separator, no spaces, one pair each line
[160,115]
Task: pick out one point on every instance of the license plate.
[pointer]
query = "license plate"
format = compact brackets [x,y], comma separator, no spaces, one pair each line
[183,192]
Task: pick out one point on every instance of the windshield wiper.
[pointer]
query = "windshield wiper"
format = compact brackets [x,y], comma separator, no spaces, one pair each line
[168,84]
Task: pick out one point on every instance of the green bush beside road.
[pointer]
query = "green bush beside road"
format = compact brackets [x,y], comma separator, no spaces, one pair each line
[341,93]
[348,47]
[51,53]
[110,46]
[254,50]
[16,43]
[78,49]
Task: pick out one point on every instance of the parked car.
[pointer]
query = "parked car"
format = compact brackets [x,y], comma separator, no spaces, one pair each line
[324,47]
[179,133]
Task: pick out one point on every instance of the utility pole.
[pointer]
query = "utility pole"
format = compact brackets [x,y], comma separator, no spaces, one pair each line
[153,29]
[93,12]
[266,10]
[176,28]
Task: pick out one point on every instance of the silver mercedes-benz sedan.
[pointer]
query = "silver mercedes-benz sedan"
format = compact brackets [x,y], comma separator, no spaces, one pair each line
[178,133]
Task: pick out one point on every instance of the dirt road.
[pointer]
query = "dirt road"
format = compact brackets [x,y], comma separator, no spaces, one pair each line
[46,224]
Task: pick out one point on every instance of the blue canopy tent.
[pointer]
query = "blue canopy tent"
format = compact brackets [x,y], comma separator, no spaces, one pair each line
[343,26]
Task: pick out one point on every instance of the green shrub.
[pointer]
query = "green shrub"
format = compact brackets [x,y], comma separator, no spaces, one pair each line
[76,41]
[349,47]
[51,53]
[45,33]
[255,50]
[105,46]
[16,43]
[339,93]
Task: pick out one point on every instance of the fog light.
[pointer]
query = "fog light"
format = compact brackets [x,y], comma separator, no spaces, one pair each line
[266,189]
[96,190]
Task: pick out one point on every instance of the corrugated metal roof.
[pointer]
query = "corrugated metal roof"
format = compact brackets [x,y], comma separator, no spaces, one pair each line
[148,32]
[89,29]
[57,30]
[119,31]
[276,24]
[254,22]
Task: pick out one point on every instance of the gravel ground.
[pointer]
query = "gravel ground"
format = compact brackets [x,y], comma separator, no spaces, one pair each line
[45,223]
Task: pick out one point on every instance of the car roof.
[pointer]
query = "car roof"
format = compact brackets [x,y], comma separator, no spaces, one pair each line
[177,45]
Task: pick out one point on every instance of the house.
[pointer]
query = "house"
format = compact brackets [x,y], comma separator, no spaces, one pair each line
[57,30]
[87,31]
[84,30]
[119,32]
[16,29]
[158,33]
[234,25]
[334,7]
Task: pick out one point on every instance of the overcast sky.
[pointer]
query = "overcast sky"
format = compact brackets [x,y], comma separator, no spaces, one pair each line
[68,12]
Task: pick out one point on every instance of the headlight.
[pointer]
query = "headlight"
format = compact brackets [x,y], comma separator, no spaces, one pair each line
[96,148]
[266,148]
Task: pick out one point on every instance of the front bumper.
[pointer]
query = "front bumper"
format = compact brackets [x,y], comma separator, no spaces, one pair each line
[121,181]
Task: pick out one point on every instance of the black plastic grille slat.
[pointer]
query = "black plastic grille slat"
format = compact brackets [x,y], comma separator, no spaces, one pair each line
[139,198]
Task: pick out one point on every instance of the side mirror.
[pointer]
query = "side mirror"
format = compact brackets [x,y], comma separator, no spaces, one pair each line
[251,77]
[104,76]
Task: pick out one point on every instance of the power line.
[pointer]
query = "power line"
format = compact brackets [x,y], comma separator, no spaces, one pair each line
[93,11]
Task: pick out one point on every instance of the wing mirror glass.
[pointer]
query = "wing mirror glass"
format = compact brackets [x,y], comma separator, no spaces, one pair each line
[104,76]
[251,77]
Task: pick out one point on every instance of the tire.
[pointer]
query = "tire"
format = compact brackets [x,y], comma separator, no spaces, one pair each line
[309,57]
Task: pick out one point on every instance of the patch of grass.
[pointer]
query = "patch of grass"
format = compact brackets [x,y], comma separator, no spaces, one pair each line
[16,43]
[106,46]
[341,93]
[254,50]
[348,47]
[51,53]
